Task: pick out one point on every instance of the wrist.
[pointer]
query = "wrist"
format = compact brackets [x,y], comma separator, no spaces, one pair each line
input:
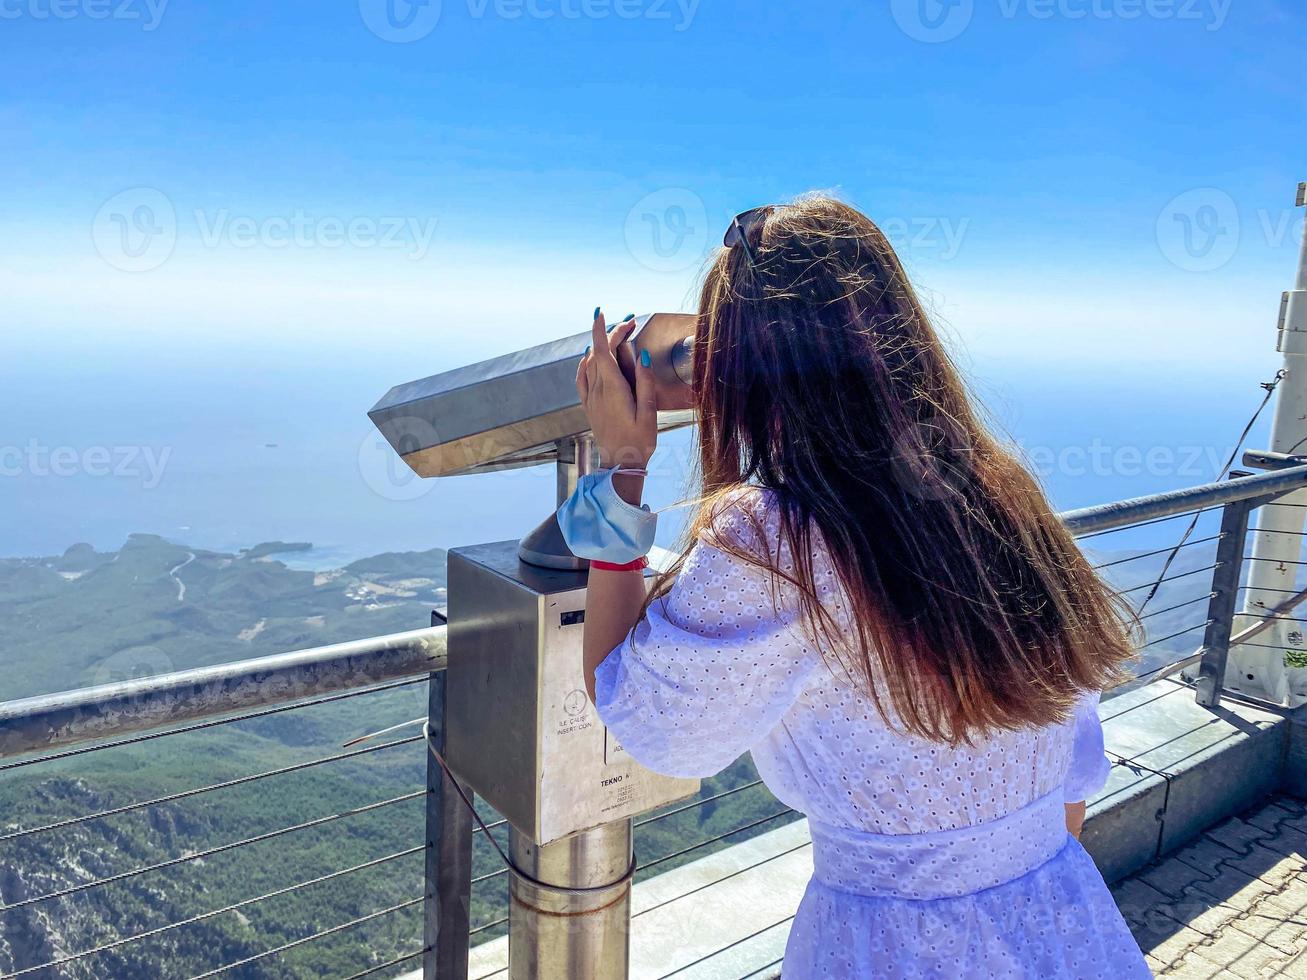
[639,564]
[631,458]
[629,486]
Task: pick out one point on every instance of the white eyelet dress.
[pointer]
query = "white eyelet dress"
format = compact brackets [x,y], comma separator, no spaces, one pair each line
[930,861]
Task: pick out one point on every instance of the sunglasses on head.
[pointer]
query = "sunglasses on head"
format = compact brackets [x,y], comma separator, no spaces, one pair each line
[742,226]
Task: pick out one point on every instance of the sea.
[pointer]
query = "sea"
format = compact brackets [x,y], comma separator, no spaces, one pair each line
[225,452]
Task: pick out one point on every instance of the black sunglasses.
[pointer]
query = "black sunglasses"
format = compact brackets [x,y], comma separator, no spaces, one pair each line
[742,226]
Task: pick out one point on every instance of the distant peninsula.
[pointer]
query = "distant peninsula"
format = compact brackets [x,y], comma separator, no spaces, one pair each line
[275,548]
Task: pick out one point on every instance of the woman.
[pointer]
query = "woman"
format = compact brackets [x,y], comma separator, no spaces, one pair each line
[879,604]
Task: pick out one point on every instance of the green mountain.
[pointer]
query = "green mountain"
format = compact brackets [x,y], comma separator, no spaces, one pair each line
[86,618]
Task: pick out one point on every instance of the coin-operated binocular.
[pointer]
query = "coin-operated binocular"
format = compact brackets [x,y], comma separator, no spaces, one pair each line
[522,409]
[520,730]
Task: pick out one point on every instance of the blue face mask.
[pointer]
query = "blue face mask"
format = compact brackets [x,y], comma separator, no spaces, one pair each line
[599,525]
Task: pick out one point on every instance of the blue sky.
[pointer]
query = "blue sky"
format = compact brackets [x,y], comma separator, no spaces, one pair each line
[1026,164]
[271,201]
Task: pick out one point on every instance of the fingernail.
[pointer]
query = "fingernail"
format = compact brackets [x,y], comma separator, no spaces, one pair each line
[586,351]
[645,359]
[629,318]
[596,316]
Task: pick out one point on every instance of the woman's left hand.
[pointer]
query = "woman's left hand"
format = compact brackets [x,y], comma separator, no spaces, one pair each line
[624,422]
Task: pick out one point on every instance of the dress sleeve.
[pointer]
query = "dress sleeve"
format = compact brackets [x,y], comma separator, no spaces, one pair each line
[709,672]
[1089,766]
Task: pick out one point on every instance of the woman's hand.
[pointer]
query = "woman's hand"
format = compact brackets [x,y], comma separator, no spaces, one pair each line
[625,426]
[1075,818]
[624,422]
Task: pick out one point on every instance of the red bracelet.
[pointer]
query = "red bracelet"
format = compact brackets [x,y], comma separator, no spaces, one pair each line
[630,566]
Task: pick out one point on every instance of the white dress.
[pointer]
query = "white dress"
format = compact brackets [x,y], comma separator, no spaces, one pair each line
[930,861]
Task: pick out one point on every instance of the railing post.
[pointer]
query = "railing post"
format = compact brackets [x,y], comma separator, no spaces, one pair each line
[447,908]
[1225,592]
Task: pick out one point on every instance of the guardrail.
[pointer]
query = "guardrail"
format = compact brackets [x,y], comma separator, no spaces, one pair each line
[53,731]
[1229,506]
[75,717]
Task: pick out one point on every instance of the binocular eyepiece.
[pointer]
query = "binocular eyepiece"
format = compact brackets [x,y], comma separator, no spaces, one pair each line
[669,339]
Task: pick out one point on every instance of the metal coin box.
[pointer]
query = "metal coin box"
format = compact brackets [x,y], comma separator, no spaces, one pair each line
[521,730]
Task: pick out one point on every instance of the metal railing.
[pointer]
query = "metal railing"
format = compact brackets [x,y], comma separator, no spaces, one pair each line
[57,733]
[1187,584]
[1202,598]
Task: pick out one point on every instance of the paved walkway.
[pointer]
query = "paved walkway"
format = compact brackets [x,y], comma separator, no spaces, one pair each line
[1231,905]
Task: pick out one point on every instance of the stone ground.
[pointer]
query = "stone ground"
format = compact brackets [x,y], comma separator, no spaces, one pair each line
[1230,905]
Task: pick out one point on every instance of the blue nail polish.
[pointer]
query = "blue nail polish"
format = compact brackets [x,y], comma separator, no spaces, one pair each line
[596,316]
[586,351]
[645,359]
[629,318]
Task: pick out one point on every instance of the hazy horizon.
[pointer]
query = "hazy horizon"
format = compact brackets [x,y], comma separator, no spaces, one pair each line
[215,457]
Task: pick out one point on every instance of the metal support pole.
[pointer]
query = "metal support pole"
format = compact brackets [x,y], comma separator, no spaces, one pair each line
[577,456]
[580,935]
[580,927]
[1225,592]
[544,546]
[447,908]
[1260,671]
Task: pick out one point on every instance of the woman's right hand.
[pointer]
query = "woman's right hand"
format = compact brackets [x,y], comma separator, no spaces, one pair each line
[624,422]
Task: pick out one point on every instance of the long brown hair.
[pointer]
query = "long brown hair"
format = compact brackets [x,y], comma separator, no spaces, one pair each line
[818,375]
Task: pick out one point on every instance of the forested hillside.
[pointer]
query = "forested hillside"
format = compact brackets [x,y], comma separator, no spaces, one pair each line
[87,618]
